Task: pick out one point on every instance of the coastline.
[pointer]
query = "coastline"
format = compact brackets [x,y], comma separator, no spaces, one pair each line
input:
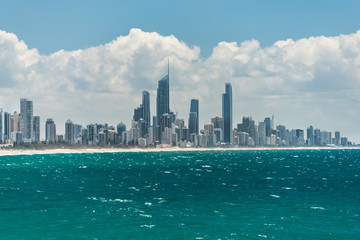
[14,152]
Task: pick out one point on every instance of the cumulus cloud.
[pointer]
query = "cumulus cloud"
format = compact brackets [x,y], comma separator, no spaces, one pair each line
[307,81]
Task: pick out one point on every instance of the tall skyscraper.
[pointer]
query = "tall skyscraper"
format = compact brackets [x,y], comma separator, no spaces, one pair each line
[192,123]
[162,100]
[268,126]
[310,135]
[337,138]
[69,132]
[84,136]
[92,134]
[36,128]
[194,118]
[77,131]
[262,133]
[26,119]
[1,125]
[7,126]
[227,114]
[50,130]
[146,110]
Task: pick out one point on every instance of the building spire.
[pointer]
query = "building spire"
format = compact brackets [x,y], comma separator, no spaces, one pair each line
[168,66]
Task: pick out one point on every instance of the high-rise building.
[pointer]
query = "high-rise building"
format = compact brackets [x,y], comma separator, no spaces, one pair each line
[282,132]
[192,123]
[217,121]
[26,119]
[209,128]
[310,135]
[146,110]
[317,137]
[1,126]
[268,126]
[36,128]
[262,133]
[7,126]
[162,100]
[92,134]
[15,127]
[77,131]
[299,136]
[337,138]
[138,113]
[50,130]
[248,126]
[69,132]
[84,136]
[227,114]
[194,108]
[165,122]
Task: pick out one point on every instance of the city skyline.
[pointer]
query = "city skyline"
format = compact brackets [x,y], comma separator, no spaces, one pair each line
[307,78]
[168,130]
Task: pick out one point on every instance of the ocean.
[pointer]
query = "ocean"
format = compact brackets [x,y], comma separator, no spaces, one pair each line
[245,194]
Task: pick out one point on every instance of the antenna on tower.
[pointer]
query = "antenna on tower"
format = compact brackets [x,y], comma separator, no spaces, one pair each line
[168,66]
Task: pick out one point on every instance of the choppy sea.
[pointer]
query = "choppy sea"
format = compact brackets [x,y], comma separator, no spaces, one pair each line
[269,194]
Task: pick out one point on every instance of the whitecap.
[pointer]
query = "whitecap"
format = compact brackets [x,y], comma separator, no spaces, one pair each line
[317,208]
[148,226]
[274,196]
[134,188]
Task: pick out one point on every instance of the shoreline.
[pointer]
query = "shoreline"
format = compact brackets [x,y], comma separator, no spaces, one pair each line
[14,152]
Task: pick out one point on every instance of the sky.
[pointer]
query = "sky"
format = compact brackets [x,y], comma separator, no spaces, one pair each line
[89,61]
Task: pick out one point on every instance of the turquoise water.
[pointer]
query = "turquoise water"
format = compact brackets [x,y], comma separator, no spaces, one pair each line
[275,194]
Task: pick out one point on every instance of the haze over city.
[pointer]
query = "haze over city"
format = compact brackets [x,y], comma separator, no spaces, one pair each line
[91,67]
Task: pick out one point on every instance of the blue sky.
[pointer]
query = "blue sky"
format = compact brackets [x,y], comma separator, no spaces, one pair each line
[299,60]
[53,25]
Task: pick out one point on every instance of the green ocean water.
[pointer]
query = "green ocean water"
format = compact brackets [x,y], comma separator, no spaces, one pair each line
[269,194]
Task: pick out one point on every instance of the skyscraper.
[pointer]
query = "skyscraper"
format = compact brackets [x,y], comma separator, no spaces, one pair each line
[227,114]
[146,110]
[84,136]
[7,126]
[337,138]
[1,125]
[310,135]
[50,130]
[36,128]
[194,118]
[26,119]
[192,123]
[268,126]
[262,133]
[162,100]
[69,132]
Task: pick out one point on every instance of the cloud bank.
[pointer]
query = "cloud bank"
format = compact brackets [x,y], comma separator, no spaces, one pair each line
[308,81]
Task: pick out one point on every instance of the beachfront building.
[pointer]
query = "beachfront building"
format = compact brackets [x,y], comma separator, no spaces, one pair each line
[50,130]
[69,132]
[26,120]
[227,114]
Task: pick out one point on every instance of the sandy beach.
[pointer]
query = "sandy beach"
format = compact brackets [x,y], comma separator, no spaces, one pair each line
[4,152]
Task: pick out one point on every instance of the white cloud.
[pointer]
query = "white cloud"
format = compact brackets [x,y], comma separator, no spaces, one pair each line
[308,81]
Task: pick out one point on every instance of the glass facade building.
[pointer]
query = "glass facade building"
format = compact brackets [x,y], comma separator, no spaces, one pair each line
[227,114]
